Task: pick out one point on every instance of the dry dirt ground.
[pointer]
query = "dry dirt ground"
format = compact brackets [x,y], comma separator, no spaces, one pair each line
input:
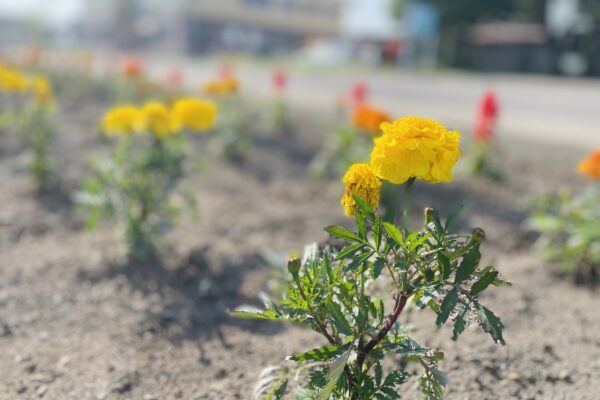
[77,321]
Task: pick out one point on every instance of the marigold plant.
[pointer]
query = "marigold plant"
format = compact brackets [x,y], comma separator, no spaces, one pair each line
[342,290]
[484,133]
[139,186]
[28,109]
[229,137]
[569,226]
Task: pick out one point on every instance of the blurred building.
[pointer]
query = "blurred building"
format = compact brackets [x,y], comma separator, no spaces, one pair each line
[200,26]
[263,26]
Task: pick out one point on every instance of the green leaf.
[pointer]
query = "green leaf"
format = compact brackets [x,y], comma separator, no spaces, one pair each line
[279,392]
[488,277]
[254,313]
[362,205]
[378,373]
[468,264]
[460,323]
[358,261]
[376,309]
[338,318]
[394,232]
[341,233]
[335,371]
[319,354]
[446,307]
[444,263]
[413,244]
[491,324]
[377,267]
[395,378]
[361,225]
[378,231]
[349,251]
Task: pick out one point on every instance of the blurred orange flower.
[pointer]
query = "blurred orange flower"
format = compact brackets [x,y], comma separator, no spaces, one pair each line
[132,68]
[590,167]
[369,118]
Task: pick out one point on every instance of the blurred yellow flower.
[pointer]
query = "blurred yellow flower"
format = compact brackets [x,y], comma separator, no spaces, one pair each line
[413,147]
[361,181]
[590,167]
[42,91]
[12,80]
[122,120]
[194,114]
[222,86]
[157,119]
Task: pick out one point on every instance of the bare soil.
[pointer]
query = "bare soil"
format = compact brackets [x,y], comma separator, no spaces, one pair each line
[80,321]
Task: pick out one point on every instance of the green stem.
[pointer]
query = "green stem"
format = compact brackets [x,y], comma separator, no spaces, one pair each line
[406,202]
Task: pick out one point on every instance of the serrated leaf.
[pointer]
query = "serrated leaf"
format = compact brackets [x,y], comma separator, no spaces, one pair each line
[319,354]
[491,324]
[395,378]
[341,233]
[413,244]
[338,318]
[358,261]
[376,309]
[486,279]
[468,264]
[378,231]
[444,263]
[446,307]
[377,267]
[361,225]
[394,232]
[254,313]
[378,373]
[460,322]
[362,205]
[335,371]
[349,251]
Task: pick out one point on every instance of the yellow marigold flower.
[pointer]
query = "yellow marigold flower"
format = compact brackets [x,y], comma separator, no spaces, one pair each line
[590,167]
[12,80]
[361,181]
[157,118]
[413,147]
[222,86]
[122,120]
[369,118]
[41,89]
[195,114]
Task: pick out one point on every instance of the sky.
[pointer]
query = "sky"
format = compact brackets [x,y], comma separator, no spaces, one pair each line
[53,11]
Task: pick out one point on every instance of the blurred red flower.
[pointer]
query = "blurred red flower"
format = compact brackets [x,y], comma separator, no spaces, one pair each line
[487,114]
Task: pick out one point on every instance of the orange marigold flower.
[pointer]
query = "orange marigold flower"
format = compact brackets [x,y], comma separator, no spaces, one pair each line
[132,68]
[369,118]
[590,167]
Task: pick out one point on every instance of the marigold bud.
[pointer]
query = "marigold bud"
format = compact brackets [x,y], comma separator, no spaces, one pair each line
[294,264]
[478,235]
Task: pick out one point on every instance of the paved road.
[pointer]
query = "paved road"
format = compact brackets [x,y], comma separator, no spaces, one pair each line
[556,110]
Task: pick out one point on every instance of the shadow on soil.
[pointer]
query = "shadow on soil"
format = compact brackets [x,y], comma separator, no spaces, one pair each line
[189,302]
